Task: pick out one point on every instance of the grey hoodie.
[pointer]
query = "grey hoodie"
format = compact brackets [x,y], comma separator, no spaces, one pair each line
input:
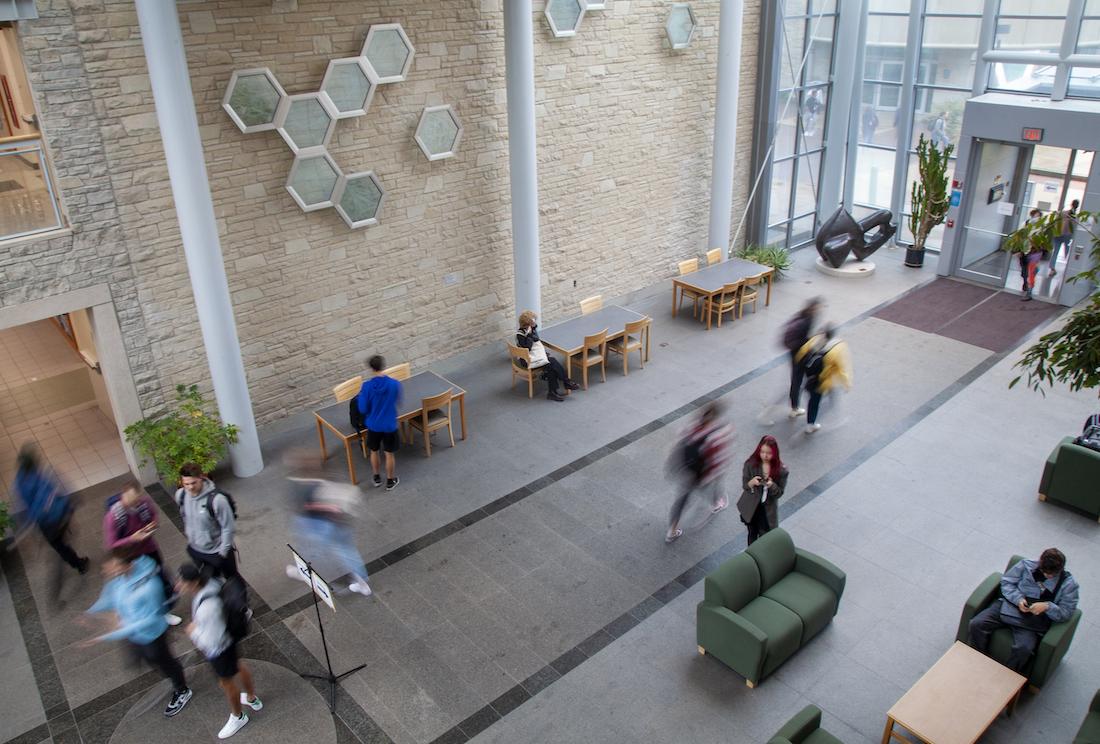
[203,533]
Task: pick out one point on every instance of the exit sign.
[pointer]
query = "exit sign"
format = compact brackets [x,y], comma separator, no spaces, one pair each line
[1032,134]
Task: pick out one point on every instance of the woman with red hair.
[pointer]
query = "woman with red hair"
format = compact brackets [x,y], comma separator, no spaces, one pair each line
[763,480]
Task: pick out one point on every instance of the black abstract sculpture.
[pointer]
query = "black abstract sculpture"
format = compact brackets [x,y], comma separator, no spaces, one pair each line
[841,234]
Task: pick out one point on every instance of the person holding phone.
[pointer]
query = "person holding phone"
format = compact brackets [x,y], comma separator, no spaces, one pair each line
[129,524]
[763,480]
[527,337]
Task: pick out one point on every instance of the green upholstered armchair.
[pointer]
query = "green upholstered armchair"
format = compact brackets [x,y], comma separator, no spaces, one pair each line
[1051,649]
[1070,476]
[761,606]
[1089,733]
[804,728]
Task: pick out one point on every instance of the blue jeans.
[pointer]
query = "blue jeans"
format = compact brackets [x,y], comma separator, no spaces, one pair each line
[329,539]
[1059,241]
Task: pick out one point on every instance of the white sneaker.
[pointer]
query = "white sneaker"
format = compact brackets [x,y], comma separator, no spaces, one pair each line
[255,703]
[233,725]
[796,412]
[361,587]
[811,428]
[172,619]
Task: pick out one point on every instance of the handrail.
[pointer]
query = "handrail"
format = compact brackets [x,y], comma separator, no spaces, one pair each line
[988,232]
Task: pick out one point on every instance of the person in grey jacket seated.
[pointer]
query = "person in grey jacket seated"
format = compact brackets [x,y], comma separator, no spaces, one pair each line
[527,337]
[210,634]
[1035,595]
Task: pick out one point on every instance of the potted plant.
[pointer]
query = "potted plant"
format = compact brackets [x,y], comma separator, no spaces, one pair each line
[930,199]
[6,523]
[186,433]
[775,256]
[1071,354]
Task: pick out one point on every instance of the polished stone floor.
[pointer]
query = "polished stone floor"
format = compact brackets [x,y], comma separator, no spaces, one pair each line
[523,588]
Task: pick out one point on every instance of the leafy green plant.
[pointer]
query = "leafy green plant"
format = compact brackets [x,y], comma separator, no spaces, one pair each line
[1070,355]
[1040,233]
[189,433]
[929,191]
[5,519]
[775,256]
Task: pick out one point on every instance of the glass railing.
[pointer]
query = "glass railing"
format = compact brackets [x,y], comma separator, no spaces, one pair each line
[28,202]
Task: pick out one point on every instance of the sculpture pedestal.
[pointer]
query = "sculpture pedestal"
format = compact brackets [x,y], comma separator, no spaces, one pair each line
[848,269]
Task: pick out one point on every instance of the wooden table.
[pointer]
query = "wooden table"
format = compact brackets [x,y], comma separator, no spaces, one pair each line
[414,390]
[568,337]
[956,700]
[709,282]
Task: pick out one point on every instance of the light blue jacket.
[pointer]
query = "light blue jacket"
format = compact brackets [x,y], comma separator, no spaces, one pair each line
[1018,582]
[138,598]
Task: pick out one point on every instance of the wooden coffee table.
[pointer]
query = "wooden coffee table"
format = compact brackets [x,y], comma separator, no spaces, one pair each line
[956,700]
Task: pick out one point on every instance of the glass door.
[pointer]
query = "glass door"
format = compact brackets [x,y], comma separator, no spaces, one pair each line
[993,206]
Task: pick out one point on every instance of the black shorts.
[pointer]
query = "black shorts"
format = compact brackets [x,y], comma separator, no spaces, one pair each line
[386,440]
[225,663]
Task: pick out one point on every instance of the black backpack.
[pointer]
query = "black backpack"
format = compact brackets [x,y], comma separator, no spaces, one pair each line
[692,455]
[794,333]
[1090,437]
[234,597]
[355,416]
[210,505]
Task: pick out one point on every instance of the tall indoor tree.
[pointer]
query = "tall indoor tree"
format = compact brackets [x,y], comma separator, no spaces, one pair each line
[930,196]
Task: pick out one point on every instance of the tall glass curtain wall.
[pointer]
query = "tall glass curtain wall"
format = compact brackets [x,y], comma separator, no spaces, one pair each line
[806,32]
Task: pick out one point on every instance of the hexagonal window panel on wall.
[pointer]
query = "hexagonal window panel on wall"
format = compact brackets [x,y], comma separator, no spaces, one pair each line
[680,27]
[252,99]
[388,52]
[359,199]
[306,120]
[313,180]
[438,132]
[565,16]
[349,84]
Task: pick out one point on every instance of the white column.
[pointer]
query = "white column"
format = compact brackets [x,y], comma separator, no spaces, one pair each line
[179,130]
[519,60]
[725,125]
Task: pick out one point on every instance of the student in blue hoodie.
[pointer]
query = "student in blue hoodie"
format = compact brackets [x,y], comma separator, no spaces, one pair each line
[378,400]
[46,505]
[135,593]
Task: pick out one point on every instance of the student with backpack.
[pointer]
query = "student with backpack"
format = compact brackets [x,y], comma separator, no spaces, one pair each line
[129,522]
[827,365]
[209,521]
[795,335]
[219,612]
[702,456]
[47,505]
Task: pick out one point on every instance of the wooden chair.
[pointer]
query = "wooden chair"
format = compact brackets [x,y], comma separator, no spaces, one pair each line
[689,266]
[595,341]
[749,293]
[433,417]
[401,371]
[518,353]
[727,301]
[714,256]
[348,388]
[591,304]
[632,340]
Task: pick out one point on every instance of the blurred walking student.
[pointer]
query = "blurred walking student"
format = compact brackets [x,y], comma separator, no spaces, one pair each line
[135,594]
[795,335]
[130,521]
[324,516]
[47,506]
[210,632]
[703,455]
[1030,261]
[378,400]
[1065,234]
[763,481]
[209,521]
[827,365]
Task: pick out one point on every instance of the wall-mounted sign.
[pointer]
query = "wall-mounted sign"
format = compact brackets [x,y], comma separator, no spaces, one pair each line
[996,193]
[1032,134]
[956,197]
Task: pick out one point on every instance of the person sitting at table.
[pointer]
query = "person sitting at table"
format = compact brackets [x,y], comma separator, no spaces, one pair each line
[1034,595]
[527,337]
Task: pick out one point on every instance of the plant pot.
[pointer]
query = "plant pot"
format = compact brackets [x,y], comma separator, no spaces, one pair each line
[914,258]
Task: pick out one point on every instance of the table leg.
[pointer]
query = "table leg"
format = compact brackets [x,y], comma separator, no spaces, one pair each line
[768,295]
[321,436]
[351,464]
[888,734]
[647,343]
[462,415]
[674,306]
[569,366]
[710,299]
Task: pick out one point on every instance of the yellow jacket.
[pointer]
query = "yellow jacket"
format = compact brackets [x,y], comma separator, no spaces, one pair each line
[836,365]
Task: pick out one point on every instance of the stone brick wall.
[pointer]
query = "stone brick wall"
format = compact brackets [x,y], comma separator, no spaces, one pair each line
[624,164]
